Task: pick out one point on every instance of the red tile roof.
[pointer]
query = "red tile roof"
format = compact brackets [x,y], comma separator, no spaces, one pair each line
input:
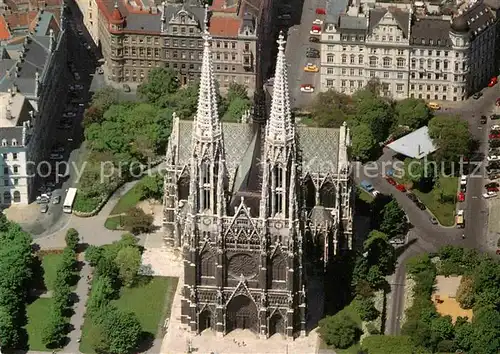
[221,6]
[224,26]
[22,19]
[4,29]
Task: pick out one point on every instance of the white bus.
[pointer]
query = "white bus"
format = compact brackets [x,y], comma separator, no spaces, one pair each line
[69,200]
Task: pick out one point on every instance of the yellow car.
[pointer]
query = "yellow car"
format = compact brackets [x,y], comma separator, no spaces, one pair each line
[311,68]
[434,106]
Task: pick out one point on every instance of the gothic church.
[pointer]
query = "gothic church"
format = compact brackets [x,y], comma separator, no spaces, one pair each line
[252,208]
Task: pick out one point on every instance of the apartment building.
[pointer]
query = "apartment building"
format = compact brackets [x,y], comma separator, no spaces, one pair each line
[36,71]
[137,36]
[15,121]
[413,49]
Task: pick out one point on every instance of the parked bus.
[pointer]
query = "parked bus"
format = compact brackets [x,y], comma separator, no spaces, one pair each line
[69,200]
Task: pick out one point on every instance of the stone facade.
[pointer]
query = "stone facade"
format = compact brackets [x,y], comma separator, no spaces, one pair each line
[412,48]
[253,207]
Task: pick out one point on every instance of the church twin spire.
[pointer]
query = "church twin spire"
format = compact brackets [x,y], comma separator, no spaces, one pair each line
[280,128]
[207,126]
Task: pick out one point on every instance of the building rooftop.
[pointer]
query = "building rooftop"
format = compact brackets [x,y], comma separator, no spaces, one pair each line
[401,17]
[335,8]
[431,31]
[224,26]
[4,29]
[14,115]
[416,145]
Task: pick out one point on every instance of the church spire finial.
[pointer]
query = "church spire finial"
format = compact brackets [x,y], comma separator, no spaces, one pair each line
[207,125]
[280,127]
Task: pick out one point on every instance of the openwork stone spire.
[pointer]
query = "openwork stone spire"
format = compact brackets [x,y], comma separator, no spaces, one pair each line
[207,126]
[279,127]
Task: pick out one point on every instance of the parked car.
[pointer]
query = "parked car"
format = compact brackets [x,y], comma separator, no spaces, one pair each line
[495,116]
[56,156]
[477,95]
[317,22]
[489,195]
[41,200]
[76,76]
[44,208]
[421,205]
[307,88]
[311,68]
[401,187]
[463,180]
[483,120]
[461,196]
[491,185]
[412,197]
[391,180]
[320,11]
[493,81]
[56,199]
[314,39]
[397,241]
[433,220]
[367,186]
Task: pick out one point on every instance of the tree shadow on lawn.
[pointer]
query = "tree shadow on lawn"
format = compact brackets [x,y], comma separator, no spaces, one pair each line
[146,342]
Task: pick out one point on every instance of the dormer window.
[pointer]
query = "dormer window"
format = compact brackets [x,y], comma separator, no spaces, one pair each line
[4,142]
[14,142]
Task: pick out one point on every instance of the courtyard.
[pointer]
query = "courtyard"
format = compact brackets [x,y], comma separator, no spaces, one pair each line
[444,297]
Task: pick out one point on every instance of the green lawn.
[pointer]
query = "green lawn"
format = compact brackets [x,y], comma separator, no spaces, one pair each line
[49,264]
[38,311]
[151,302]
[112,223]
[128,200]
[38,316]
[364,195]
[444,212]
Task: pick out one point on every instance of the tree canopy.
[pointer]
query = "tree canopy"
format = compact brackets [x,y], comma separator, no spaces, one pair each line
[411,112]
[451,135]
[339,331]
[363,142]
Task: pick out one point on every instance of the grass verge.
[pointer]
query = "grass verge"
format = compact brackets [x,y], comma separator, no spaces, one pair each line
[113,223]
[128,200]
[50,263]
[443,211]
[38,317]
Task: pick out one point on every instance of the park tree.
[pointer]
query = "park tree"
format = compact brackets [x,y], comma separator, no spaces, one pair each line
[380,252]
[10,334]
[465,292]
[329,109]
[419,171]
[93,254]
[72,239]
[160,82]
[128,262]
[236,91]
[366,309]
[394,220]
[419,331]
[411,112]
[118,332]
[54,334]
[486,331]
[373,111]
[442,328]
[62,297]
[363,143]
[380,344]
[236,109]
[464,332]
[93,114]
[451,136]
[486,275]
[104,98]
[152,186]
[137,221]
[185,101]
[339,331]
[102,293]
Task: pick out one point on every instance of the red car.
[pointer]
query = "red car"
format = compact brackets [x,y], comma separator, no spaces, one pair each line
[401,188]
[461,196]
[494,136]
[320,11]
[498,252]
[493,81]
[390,180]
[497,102]
[492,189]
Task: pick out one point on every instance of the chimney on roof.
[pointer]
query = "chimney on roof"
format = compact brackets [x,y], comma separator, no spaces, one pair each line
[51,40]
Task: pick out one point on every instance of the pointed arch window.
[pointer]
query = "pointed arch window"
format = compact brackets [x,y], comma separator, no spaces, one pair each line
[206,185]
[207,264]
[279,189]
[278,272]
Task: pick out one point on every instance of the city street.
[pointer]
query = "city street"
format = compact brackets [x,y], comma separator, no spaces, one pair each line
[426,237]
[297,43]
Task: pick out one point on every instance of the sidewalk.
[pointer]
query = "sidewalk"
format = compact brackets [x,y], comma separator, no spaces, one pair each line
[77,319]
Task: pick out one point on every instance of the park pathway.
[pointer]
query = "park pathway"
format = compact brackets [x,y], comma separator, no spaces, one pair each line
[82,290]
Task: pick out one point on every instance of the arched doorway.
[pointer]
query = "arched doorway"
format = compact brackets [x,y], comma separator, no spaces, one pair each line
[242,314]
[205,320]
[276,324]
[17,197]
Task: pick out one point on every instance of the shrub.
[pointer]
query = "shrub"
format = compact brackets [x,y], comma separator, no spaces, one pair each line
[465,293]
[137,221]
[62,297]
[72,239]
[366,309]
[93,254]
[339,331]
[54,333]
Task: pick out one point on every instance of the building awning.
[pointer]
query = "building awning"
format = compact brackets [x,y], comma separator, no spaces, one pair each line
[416,145]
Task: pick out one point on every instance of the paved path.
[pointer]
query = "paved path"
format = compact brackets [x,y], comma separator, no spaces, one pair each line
[77,319]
